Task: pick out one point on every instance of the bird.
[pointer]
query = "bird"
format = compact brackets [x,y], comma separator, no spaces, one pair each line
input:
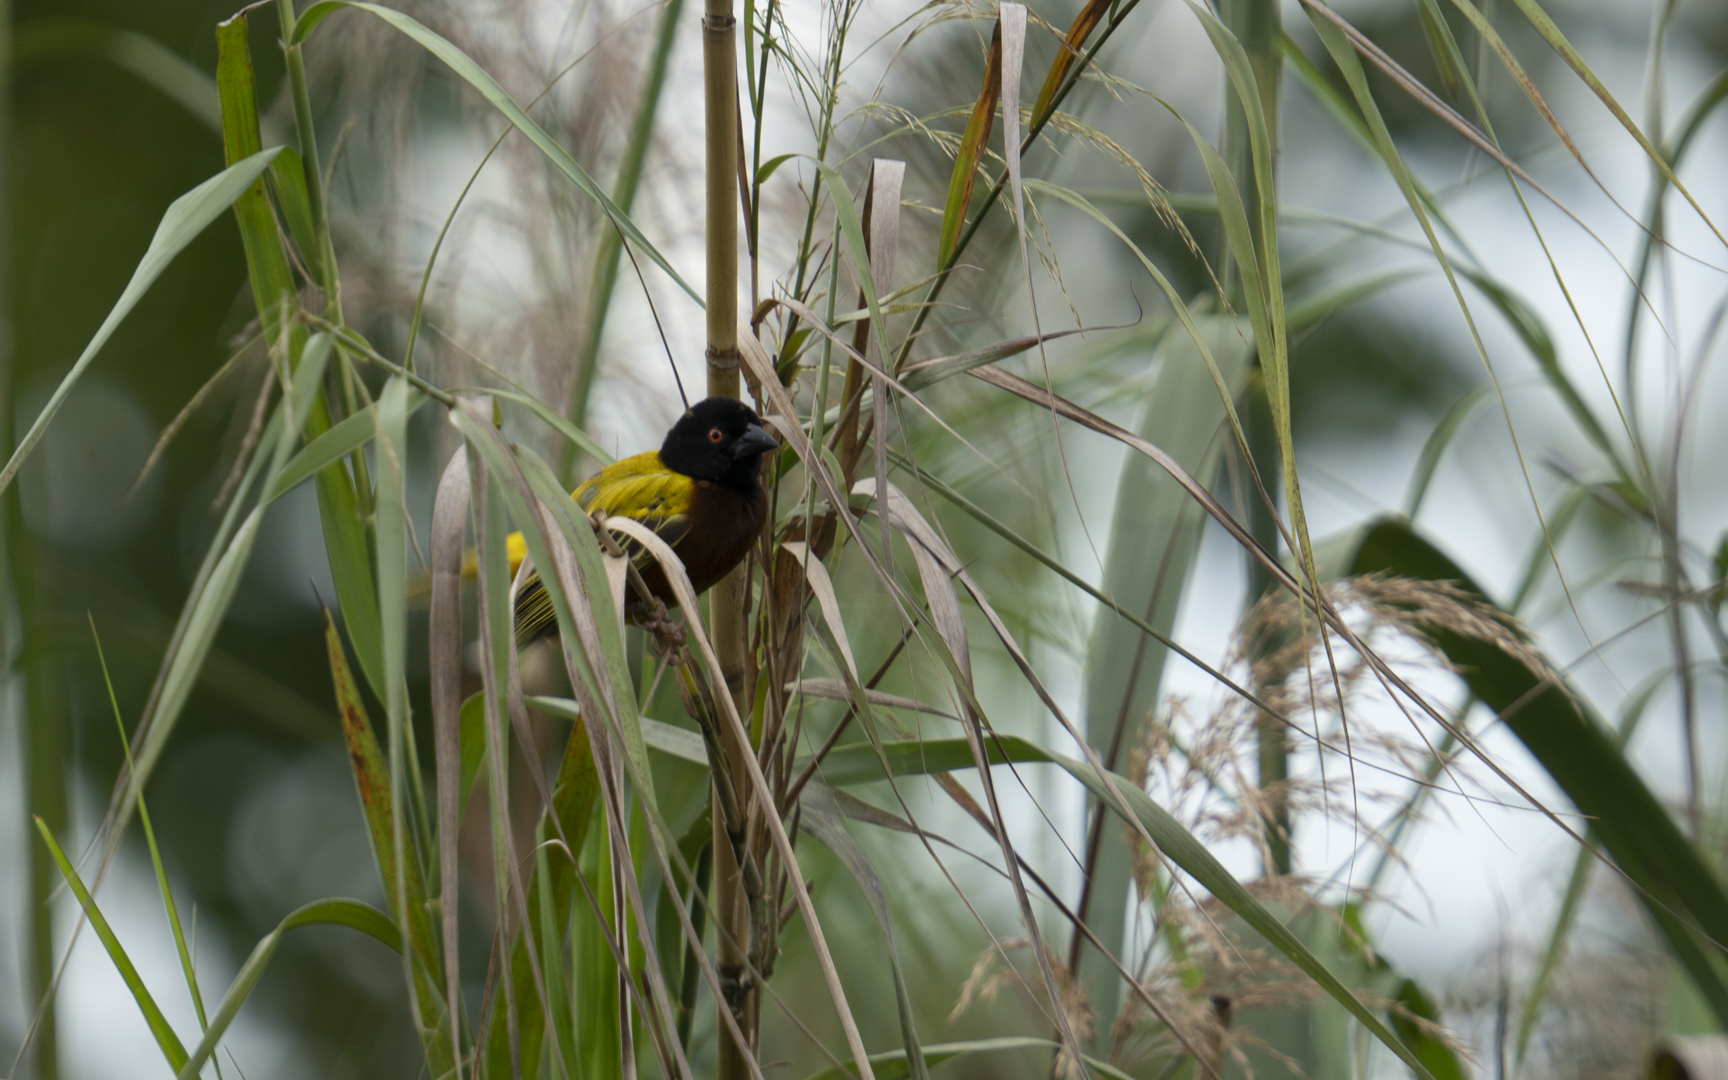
[701,492]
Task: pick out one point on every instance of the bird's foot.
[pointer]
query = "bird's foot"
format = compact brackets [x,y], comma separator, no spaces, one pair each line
[668,633]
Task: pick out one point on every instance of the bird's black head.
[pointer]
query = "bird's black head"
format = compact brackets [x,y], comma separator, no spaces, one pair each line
[718,439]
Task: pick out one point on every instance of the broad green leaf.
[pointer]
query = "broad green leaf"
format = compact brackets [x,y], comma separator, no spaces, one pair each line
[1557,726]
[346,543]
[164,1034]
[332,446]
[205,610]
[472,73]
[398,866]
[1154,539]
[336,912]
[184,220]
[288,181]
[473,736]
[1271,330]
[771,166]
[423,970]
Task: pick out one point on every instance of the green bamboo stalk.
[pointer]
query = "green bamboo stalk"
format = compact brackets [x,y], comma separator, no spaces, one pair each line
[726,600]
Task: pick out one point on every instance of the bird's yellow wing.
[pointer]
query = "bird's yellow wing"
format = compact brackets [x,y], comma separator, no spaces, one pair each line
[643,489]
[640,488]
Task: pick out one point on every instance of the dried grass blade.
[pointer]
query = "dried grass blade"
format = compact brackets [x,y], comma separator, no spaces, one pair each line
[783,413]
[836,690]
[1226,396]
[449,520]
[936,564]
[680,582]
[915,377]
[816,575]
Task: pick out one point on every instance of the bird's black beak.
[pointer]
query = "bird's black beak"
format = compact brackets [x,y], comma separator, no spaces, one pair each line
[755,440]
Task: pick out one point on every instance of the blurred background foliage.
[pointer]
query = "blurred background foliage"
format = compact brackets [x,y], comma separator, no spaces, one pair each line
[254,803]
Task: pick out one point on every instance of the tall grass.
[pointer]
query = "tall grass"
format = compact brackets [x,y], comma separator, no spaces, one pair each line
[631,851]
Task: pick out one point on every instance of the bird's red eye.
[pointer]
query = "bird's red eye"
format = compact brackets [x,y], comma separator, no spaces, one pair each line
[715,435]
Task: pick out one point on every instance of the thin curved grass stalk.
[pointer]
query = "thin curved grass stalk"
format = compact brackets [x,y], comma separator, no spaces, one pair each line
[172,910]
[1341,40]
[1551,33]
[1119,796]
[1389,678]
[1688,128]
[624,189]
[1586,419]
[470,72]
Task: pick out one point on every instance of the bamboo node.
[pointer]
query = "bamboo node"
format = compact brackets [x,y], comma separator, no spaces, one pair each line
[722,359]
[719,24]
